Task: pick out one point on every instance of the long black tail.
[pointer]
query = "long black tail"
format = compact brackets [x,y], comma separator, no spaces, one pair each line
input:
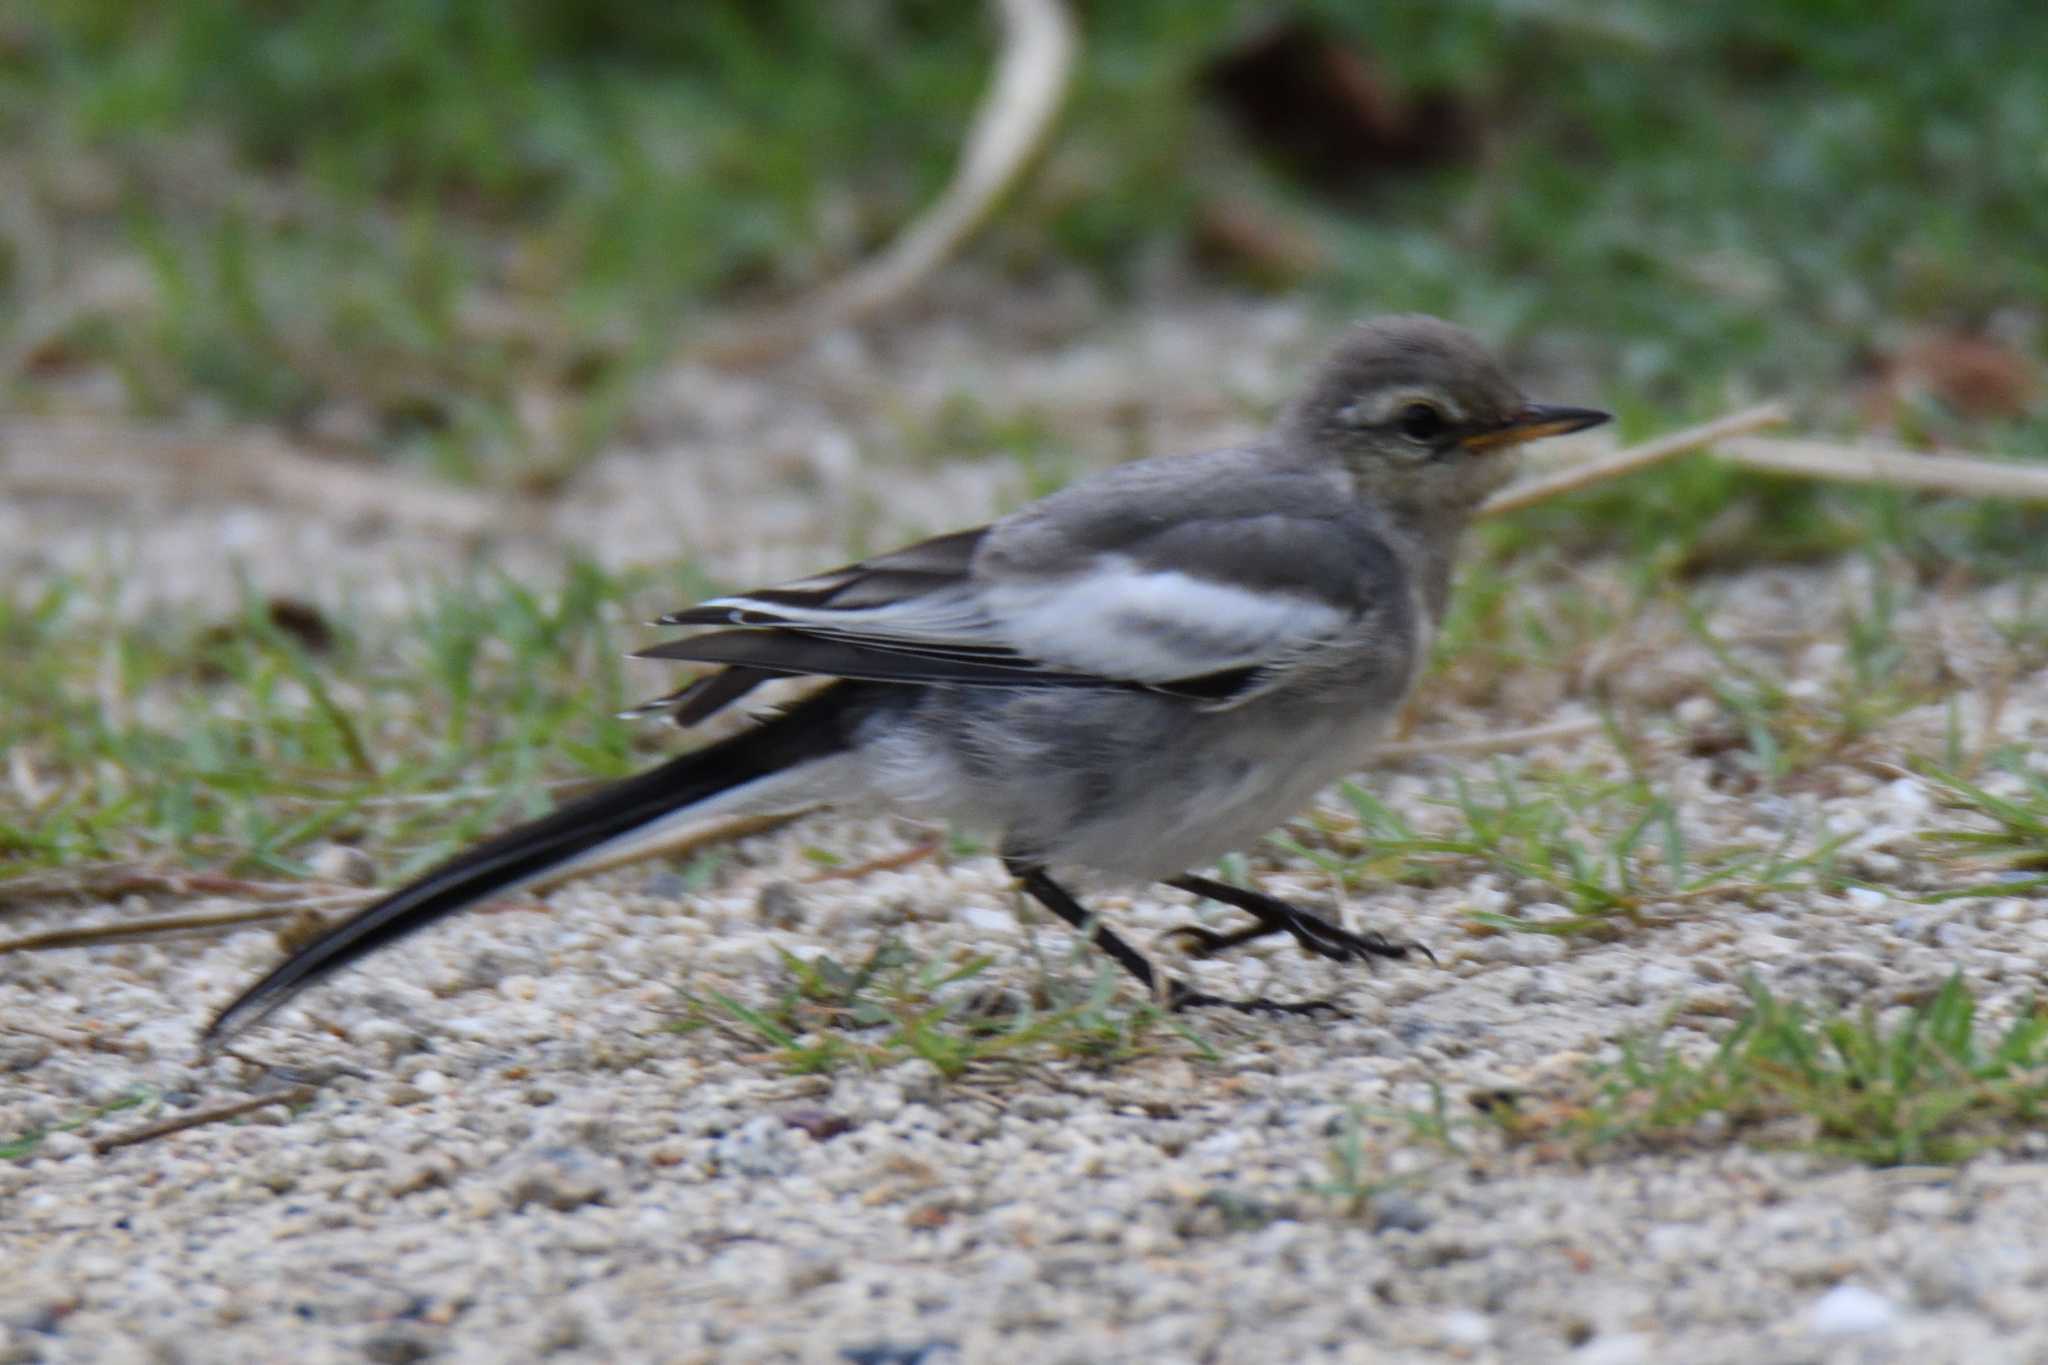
[816,728]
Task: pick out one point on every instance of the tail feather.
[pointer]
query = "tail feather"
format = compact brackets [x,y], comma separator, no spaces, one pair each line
[687,786]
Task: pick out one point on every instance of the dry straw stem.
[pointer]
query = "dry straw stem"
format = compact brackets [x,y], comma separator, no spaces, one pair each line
[1023,99]
[1961,475]
[1569,480]
[1966,475]
[160,926]
[297,1095]
[1492,742]
[110,881]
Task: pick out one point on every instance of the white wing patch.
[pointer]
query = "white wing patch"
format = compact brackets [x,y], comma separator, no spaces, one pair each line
[1113,618]
[1121,620]
[951,615]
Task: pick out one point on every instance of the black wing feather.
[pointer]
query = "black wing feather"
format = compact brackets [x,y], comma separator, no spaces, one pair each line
[797,651]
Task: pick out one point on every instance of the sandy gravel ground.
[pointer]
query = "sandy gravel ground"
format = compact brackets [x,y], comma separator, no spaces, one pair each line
[516,1158]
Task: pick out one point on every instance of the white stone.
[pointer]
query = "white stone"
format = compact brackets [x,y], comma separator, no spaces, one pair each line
[1463,1327]
[1850,1310]
[988,919]
[1622,1348]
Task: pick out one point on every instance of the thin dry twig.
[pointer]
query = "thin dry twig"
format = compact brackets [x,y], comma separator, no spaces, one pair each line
[149,1132]
[85,1039]
[1495,742]
[887,862]
[1023,98]
[1966,475]
[1571,479]
[107,881]
[127,931]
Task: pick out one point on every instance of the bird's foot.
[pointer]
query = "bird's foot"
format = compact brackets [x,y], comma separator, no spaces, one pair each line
[1316,936]
[1180,996]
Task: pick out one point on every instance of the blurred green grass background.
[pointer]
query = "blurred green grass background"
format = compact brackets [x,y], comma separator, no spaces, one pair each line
[409,212]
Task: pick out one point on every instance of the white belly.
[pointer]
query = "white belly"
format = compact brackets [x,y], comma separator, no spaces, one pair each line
[1223,801]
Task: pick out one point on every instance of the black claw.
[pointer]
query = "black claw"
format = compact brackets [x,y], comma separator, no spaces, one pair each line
[1316,935]
[1209,942]
[1182,997]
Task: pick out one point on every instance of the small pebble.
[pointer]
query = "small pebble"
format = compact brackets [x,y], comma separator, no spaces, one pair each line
[987,919]
[62,1146]
[560,1179]
[1850,1310]
[761,1148]
[1398,1213]
[666,886]
[1463,1327]
[396,1348]
[342,863]
[1622,1348]
[780,905]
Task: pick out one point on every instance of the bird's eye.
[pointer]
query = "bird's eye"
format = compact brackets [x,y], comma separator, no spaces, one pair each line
[1420,421]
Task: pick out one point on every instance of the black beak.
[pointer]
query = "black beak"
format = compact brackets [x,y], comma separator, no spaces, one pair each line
[1532,422]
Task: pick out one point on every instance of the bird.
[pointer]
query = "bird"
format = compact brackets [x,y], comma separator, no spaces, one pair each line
[1129,677]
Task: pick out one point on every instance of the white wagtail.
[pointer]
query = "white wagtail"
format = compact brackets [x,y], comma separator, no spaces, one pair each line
[1134,675]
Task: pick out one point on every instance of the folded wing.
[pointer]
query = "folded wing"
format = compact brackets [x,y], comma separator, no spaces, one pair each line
[1209,602]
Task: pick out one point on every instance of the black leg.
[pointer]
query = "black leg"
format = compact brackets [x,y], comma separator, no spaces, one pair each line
[1315,934]
[1178,995]
[1056,898]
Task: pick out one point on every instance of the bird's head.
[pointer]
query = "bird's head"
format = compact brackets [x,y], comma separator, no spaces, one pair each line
[1420,415]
